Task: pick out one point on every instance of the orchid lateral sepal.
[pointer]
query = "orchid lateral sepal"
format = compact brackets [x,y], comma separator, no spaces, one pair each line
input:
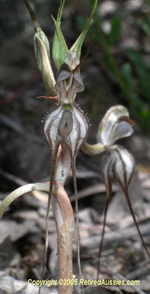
[42,52]
[44,65]
[77,46]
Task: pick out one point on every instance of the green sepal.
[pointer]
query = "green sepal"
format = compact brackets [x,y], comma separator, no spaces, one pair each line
[41,46]
[79,42]
[59,49]
[39,35]
[42,52]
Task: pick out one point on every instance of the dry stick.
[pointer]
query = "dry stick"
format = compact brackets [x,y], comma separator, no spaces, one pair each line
[123,278]
[38,195]
[135,221]
[101,244]
[52,175]
[142,270]
[77,216]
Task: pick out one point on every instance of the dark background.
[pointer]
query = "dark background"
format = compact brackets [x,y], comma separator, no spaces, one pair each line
[116,71]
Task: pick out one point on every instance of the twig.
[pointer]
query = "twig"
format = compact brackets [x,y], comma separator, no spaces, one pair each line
[39,195]
[123,278]
[95,189]
[139,272]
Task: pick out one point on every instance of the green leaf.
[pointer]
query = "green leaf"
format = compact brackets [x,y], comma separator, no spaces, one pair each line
[145,112]
[145,24]
[79,42]
[115,31]
[148,2]
[127,74]
[59,49]
[139,62]
[142,71]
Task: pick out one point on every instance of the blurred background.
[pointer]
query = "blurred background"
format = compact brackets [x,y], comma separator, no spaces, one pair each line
[116,71]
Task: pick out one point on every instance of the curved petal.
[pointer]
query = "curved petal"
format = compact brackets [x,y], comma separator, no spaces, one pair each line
[116,124]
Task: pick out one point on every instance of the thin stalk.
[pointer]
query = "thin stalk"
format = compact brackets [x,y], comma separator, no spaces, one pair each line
[77,216]
[101,244]
[52,175]
[135,221]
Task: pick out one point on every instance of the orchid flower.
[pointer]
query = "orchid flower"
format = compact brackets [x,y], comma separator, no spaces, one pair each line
[118,162]
[66,126]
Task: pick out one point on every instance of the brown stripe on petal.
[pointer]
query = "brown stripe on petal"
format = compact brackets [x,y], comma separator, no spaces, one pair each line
[127,119]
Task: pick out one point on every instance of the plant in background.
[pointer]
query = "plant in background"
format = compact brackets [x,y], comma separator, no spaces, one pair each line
[66,129]
[134,74]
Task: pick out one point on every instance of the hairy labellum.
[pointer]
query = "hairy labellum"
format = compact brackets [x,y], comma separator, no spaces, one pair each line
[68,126]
